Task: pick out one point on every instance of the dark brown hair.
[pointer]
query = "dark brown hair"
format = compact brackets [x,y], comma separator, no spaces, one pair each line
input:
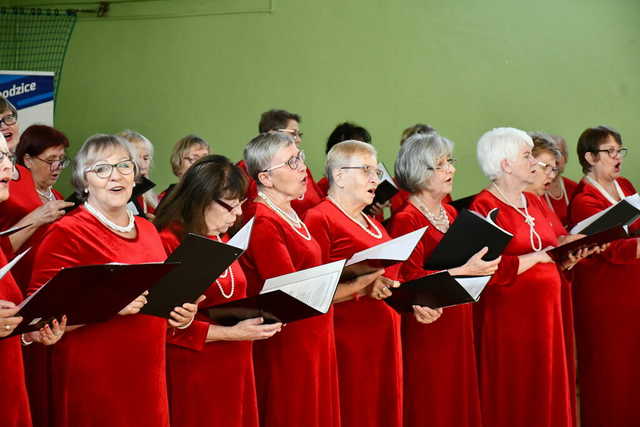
[276,119]
[211,177]
[36,139]
[590,141]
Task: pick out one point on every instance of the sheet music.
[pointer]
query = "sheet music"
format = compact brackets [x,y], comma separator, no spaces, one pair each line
[473,285]
[314,286]
[4,270]
[398,249]
[241,239]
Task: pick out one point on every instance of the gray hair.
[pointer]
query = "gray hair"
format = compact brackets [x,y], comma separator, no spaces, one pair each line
[418,158]
[136,137]
[341,154]
[260,151]
[88,154]
[497,145]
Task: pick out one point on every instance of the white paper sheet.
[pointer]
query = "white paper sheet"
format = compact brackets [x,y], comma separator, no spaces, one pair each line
[473,285]
[398,249]
[4,270]
[241,239]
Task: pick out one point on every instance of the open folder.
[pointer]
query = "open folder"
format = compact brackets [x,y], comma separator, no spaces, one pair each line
[6,268]
[382,255]
[437,290]
[385,190]
[15,229]
[561,253]
[287,298]
[88,294]
[468,234]
[625,212]
[202,260]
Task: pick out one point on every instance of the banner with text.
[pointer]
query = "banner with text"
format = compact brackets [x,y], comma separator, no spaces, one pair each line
[31,92]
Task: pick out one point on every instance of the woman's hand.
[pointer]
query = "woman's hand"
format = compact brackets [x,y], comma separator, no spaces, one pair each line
[580,254]
[49,212]
[135,306]
[377,209]
[48,335]
[356,287]
[381,287]
[527,261]
[426,315]
[8,322]
[476,266]
[181,317]
[246,330]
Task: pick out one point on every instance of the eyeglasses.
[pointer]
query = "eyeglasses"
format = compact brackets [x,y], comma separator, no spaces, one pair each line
[613,152]
[228,206]
[8,155]
[104,170]
[9,120]
[293,132]
[446,164]
[548,168]
[293,163]
[368,170]
[55,165]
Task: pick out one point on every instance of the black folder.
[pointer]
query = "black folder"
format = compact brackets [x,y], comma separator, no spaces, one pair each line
[463,203]
[10,231]
[273,307]
[622,213]
[433,291]
[560,254]
[469,233]
[315,288]
[385,190]
[202,261]
[88,294]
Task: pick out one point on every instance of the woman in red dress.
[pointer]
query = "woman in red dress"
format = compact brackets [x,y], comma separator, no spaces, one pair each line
[522,363]
[14,406]
[441,353]
[185,152]
[289,123]
[367,329]
[110,373]
[608,346]
[296,370]
[210,367]
[559,193]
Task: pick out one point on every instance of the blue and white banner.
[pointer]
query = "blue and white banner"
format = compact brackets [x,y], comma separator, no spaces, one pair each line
[31,92]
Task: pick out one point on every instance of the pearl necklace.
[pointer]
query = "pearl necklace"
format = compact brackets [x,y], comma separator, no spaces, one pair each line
[563,195]
[531,221]
[49,197]
[376,235]
[293,220]
[604,192]
[227,272]
[440,222]
[108,223]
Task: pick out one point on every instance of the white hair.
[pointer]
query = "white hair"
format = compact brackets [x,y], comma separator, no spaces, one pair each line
[497,145]
[343,152]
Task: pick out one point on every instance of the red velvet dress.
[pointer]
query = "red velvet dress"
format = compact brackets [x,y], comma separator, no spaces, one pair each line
[567,311]
[296,370]
[560,206]
[14,403]
[522,362]
[23,198]
[210,384]
[323,187]
[607,308]
[441,354]
[367,330]
[112,373]
[312,197]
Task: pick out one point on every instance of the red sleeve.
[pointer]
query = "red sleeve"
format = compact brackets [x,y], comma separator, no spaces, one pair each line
[318,226]
[194,337]
[620,252]
[508,268]
[267,245]
[412,268]
[5,246]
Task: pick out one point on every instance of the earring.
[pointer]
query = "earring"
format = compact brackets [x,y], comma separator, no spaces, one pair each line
[86,191]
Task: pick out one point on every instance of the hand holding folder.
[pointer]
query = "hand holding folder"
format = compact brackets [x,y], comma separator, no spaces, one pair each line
[624,213]
[88,294]
[562,254]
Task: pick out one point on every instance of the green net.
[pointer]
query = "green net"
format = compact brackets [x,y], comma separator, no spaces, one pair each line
[35,39]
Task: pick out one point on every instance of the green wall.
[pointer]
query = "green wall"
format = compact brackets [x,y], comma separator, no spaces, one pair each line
[463,66]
